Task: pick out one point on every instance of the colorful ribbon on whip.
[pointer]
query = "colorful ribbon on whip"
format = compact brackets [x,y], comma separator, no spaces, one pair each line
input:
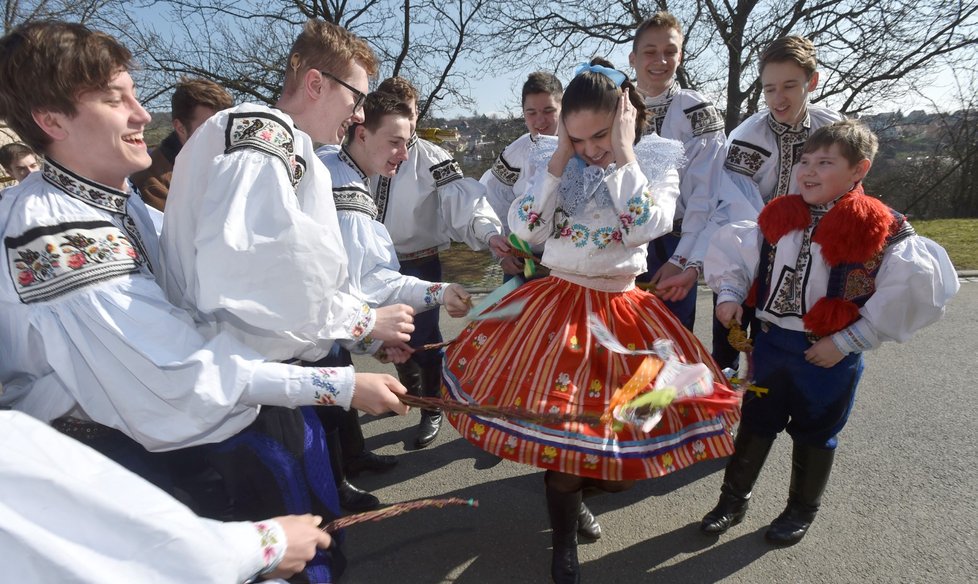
[524,252]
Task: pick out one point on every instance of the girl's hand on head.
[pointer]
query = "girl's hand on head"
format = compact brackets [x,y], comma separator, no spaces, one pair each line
[623,131]
[565,151]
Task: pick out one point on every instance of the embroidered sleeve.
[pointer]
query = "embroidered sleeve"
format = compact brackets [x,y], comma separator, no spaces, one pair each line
[745,158]
[851,340]
[265,133]
[446,172]
[504,171]
[435,294]
[273,545]
[47,262]
[704,118]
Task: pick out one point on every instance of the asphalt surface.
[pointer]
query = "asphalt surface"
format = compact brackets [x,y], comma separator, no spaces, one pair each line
[900,505]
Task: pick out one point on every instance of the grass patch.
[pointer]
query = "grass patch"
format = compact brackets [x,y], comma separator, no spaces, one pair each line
[958,236]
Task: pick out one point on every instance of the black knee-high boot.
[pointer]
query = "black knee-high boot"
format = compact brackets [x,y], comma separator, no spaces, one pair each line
[563,509]
[351,498]
[430,419]
[810,469]
[750,452]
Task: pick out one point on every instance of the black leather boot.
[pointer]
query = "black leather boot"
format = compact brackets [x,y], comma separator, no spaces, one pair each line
[563,509]
[750,452]
[587,523]
[810,469]
[430,419]
[351,498]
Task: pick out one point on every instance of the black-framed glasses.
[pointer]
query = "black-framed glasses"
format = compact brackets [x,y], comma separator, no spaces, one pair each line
[359,95]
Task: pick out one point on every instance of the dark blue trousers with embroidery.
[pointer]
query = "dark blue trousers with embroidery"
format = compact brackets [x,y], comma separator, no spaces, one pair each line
[811,403]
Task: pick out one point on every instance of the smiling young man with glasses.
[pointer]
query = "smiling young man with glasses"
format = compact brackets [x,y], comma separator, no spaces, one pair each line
[252,246]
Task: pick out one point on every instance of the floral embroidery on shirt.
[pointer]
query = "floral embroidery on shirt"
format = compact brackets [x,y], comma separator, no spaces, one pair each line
[579,234]
[327,392]
[504,172]
[526,213]
[266,133]
[272,542]
[53,260]
[704,118]
[362,322]
[446,172]
[605,236]
[433,294]
[745,158]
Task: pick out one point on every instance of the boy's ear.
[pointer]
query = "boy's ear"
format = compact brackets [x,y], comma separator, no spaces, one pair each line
[51,123]
[631,59]
[862,168]
[813,82]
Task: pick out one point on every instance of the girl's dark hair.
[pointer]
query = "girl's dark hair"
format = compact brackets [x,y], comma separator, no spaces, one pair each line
[596,92]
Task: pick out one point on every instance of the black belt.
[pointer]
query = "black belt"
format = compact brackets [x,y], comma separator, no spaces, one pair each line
[81,429]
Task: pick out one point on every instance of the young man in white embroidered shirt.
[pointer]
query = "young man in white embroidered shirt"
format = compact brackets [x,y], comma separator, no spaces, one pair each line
[505,180]
[375,147]
[764,150]
[251,245]
[676,259]
[90,342]
[427,205]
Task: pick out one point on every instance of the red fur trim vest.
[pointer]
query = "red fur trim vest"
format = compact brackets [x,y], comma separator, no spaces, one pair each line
[852,235]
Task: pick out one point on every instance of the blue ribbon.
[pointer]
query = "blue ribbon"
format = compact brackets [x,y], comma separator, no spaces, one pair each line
[616,76]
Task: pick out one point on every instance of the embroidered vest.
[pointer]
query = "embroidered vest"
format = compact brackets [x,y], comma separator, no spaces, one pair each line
[853,236]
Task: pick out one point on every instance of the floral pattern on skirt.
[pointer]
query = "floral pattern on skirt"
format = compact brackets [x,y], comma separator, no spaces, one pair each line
[546,360]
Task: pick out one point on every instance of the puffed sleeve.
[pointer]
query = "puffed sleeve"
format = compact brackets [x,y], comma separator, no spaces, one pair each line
[69,514]
[732,259]
[264,260]
[132,361]
[737,200]
[502,177]
[531,217]
[374,267]
[464,208]
[704,147]
[915,282]
[645,210]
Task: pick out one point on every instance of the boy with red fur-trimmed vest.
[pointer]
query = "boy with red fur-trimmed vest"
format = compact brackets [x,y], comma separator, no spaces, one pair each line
[832,272]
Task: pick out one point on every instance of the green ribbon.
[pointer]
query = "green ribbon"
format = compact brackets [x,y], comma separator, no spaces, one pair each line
[529,266]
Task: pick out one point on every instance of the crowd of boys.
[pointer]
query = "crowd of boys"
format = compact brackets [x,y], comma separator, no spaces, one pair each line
[180,343]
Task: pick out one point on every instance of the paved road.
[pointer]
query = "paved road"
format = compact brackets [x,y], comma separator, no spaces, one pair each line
[901,505]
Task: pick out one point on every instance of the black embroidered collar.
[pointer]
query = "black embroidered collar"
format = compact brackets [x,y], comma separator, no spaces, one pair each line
[414,140]
[83,189]
[779,128]
[345,156]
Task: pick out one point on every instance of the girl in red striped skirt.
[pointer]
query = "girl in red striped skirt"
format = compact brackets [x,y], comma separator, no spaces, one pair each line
[597,196]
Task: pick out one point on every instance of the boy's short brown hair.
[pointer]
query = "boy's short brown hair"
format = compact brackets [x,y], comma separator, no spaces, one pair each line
[378,105]
[325,46]
[10,153]
[190,93]
[46,66]
[793,49]
[542,82]
[661,19]
[856,142]
[400,87]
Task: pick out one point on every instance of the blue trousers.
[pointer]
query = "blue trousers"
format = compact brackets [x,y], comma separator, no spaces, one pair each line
[811,403]
[660,250]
